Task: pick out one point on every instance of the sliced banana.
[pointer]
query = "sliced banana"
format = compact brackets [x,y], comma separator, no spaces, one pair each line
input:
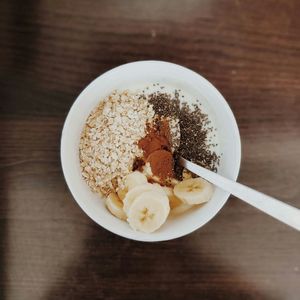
[173,181]
[168,191]
[148,211]
[115,206]
[136,191]
[159,188]
[176,205]
[156,179]
[122,193]
[186,174]
[134,179]
[180,209]
[147,171]
[133,193]
[173,200]
[194,191]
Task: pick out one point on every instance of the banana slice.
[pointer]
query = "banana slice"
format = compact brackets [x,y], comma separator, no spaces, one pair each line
[138,190]
[173,200]
[134,179]
[180,209]
[147,170]
[173,181]
[176,205]
[115,206]
[148,211]
[194,191]
[186,174]
[159,188]
[122,193]
[133,193]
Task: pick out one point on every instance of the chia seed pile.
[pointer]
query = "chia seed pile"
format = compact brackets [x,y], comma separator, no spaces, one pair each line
[194,130]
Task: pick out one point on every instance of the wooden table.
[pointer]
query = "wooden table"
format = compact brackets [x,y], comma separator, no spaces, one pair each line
[50,50]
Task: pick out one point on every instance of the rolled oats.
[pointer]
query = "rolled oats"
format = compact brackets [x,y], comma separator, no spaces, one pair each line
[108,144]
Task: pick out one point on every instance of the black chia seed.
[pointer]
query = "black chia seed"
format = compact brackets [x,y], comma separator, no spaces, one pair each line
[194,130]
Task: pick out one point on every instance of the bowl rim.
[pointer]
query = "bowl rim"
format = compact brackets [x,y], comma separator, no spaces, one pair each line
[238,150]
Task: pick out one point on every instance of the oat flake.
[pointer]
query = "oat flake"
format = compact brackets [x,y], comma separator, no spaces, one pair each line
[108,144]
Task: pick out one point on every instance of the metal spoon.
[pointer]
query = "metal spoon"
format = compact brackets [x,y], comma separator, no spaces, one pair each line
[277,209]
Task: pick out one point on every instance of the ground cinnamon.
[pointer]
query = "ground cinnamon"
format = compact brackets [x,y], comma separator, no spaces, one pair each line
[156,147]
[162,164]
[153,142]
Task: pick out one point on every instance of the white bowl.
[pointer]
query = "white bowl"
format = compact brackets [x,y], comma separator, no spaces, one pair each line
[140,74]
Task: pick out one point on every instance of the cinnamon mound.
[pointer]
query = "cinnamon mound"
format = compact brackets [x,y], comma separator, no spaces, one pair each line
[162,164]
[156,146]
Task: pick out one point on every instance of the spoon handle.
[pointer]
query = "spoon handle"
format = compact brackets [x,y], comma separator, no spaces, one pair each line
[277,209]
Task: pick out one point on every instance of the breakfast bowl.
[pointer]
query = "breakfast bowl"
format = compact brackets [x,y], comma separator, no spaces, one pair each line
[136,76]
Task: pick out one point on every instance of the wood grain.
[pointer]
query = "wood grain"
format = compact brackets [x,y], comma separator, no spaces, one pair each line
[49,51]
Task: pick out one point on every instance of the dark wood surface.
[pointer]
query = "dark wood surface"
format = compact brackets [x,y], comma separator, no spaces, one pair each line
[49,51]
